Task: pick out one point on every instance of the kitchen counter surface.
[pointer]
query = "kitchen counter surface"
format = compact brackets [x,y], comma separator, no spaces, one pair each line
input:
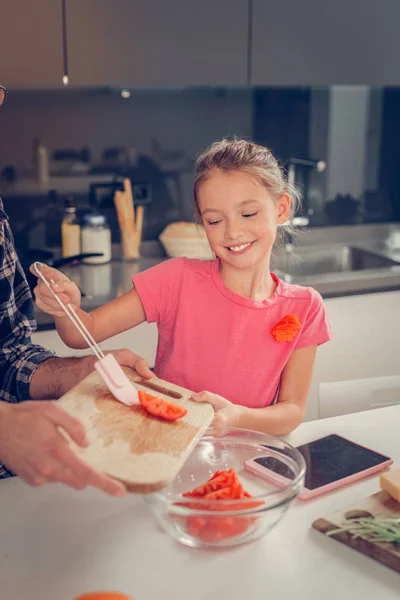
[104,282]
[100,283]
[56,543]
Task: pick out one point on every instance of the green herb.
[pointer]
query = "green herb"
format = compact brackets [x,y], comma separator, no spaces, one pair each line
[374,529]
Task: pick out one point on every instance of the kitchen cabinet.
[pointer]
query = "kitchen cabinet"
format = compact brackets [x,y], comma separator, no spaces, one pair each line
[142,340]
[154,43]
[31,48]
[365,346]
[325,43]
[356,395]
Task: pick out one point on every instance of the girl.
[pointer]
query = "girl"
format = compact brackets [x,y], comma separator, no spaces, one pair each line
[229,325]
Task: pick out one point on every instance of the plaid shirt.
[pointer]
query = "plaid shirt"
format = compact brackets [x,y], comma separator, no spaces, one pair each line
[19,357]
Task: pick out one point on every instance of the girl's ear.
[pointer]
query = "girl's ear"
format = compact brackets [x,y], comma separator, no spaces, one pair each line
[284,203]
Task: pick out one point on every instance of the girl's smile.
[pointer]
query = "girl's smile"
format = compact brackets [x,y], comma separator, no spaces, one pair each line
[241,248]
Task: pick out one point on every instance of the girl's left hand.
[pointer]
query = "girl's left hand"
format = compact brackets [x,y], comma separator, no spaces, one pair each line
[226,413]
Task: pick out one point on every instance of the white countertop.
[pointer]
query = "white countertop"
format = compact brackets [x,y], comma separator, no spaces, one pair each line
[56,543]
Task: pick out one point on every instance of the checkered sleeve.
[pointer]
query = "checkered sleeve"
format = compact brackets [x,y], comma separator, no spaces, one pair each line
[19,357]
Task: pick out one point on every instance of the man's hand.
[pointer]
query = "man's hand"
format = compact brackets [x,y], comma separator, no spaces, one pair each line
[32,446]
[126,358]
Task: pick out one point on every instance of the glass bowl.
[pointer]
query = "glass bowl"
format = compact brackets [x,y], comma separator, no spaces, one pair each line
[203,523]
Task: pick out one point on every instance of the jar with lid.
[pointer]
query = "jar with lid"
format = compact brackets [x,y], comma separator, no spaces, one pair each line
[70,230]
[96,237]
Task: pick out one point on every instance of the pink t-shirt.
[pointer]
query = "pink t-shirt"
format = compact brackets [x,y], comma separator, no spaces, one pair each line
[213,339]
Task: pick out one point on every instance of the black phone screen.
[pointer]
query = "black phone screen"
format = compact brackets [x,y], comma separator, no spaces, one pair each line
[328,459]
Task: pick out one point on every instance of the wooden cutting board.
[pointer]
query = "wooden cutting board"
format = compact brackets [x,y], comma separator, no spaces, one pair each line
[378,504]
[129,444]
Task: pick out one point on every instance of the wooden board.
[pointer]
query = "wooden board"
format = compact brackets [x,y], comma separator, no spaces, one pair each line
[129,444]
[378,504]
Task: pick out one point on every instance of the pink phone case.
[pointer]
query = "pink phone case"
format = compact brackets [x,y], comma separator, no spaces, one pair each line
[306,494]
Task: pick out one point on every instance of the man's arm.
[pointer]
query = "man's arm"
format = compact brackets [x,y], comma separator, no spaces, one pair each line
[29,371]
[19,358]
[56,376]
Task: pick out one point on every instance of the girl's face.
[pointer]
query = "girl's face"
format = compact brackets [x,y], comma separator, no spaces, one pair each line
[240,217]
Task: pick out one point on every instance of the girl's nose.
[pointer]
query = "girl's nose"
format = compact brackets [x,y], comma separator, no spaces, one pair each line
[233,229]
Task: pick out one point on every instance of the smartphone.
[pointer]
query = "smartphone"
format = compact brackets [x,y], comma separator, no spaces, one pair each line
[332,461]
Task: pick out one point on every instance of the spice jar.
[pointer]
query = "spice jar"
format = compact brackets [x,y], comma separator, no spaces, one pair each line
[70,230]
[96,237]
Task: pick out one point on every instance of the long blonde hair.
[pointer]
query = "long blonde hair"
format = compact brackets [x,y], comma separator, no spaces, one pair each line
[241,155]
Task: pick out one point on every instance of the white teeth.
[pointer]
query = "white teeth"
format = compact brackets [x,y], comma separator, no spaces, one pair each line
[239,248]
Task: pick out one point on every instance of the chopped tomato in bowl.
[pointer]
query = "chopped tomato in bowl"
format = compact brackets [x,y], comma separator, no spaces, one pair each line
[215,503]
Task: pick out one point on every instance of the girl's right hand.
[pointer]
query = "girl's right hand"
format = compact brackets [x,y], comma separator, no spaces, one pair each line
[66,289]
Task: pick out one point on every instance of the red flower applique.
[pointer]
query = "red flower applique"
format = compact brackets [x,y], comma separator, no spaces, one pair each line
[285,330]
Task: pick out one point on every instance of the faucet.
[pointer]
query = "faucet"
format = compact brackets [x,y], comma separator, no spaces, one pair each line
[317,165]
[288,235]
[297,221]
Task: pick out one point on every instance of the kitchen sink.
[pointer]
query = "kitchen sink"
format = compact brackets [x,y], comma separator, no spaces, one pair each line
[313,261]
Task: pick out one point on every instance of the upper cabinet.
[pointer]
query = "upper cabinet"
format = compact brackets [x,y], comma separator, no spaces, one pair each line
[157,43]
[31,51]
[168,43]
[309,42]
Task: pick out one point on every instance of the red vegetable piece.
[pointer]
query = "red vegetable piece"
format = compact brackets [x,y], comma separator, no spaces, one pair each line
[159,407]
[223,485]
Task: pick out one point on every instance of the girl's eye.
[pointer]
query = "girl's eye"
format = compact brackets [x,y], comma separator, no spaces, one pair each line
[214,222]
[250,215]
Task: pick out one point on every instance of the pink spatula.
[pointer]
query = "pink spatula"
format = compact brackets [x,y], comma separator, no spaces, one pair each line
[111,372]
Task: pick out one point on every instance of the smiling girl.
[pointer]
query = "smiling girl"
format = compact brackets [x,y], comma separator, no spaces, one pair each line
[229,329]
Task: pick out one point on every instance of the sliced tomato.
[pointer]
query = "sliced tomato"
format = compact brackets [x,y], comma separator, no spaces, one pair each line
[216,474]
[222,480]
[194,525]
[217,529]
[223,485]
[222,494]
[237,489]
[159,407]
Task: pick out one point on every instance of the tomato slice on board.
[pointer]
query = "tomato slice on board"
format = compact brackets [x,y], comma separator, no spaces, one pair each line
[159,407]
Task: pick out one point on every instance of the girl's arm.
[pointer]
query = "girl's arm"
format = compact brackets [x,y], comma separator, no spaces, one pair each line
[108,320]
[112,318]
[279,419]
